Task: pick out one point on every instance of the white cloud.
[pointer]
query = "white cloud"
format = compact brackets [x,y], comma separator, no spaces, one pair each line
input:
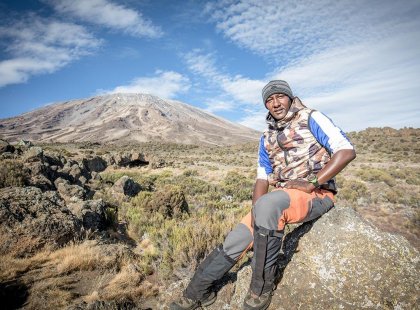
[298,28]
[215,105]
[243,89]
[255,119]
[367,84]
[357,62]
[165,84]
[37,45]
[238,89]
[109,14]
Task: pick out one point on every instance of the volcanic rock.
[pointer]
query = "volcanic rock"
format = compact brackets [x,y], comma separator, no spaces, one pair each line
[126,186]
[339,261]
[96,164]
[33,219]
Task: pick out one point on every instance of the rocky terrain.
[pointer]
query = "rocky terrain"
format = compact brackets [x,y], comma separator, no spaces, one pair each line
[337,262]
[124,117]
[94,226]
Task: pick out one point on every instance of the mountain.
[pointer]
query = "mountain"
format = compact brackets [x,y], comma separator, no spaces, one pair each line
[127,118]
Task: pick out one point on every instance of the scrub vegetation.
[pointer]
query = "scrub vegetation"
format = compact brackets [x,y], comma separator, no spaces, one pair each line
[190,198]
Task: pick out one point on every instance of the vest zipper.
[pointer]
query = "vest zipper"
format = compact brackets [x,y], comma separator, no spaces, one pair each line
[283,149]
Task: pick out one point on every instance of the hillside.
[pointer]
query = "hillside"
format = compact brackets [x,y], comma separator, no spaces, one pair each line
[124,118]
[88,226]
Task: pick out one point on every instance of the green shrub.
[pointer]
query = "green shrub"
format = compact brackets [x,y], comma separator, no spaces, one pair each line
[190,173]
[351,190]
[413,178]
[13,173]
[111,217]
[237,186]
[393,195]
[169,201]
[376,175]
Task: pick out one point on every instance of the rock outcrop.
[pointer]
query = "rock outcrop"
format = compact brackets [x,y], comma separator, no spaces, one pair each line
[126,186]
[91,213]
[339,261]
[95,164]
[31,219]
[126,159]
[5,147]
[45,200]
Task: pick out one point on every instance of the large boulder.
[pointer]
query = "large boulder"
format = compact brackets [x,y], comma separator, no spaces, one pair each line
[6,147]
[69,192]
[41,175]
[96,164]
[31,219]
[126,159]
[92,213]
[126,186]
[339,261]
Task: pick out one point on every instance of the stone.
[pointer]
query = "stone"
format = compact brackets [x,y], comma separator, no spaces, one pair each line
[96,176]
[126,159]
[6,147]
[126,186]
[75,172]
[31,219]
[25,143]
[68,191]
[157,163]
[41,175]
[91,213]
[82,180]
[96,164]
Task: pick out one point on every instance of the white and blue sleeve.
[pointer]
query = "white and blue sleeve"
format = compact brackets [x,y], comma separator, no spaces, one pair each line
[264,165]
[328,134]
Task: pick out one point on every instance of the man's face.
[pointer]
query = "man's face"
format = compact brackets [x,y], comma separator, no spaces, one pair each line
[278,105]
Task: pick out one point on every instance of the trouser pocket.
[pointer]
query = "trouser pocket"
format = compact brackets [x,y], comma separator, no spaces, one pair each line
[319,206]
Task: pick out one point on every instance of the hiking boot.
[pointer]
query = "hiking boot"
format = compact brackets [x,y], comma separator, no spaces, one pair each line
[254,302]
[185,303]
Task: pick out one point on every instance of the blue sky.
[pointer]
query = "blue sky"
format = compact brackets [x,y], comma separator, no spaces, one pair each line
[356,61]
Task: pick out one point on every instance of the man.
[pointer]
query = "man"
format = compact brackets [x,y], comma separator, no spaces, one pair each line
[300,153]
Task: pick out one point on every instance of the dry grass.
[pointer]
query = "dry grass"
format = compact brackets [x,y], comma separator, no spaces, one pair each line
[51,293]
[12,267]
[129,284]
[79,257]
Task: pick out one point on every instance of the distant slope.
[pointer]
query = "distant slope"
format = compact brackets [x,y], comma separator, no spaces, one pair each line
[124,117]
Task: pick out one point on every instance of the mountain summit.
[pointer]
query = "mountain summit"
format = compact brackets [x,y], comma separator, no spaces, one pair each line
[124,117]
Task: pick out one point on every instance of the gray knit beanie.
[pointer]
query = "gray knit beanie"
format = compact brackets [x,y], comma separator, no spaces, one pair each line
[276,87]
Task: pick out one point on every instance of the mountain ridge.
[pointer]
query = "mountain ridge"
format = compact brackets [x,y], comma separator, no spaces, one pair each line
[124,117]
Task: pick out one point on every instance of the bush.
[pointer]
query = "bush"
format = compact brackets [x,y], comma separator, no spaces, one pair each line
[190,173]
[169,201]
[351,190]
[13,173]
[237,186]
[376,175]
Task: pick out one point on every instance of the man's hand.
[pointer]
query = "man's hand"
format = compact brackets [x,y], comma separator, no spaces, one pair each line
[300,185]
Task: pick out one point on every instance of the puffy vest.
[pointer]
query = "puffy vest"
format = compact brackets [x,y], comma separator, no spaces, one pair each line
[293,151]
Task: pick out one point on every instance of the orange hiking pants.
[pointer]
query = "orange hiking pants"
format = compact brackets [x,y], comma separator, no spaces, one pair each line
[273,211]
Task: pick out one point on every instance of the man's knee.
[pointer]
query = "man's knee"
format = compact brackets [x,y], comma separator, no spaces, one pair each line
[269,208]
[237,241]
